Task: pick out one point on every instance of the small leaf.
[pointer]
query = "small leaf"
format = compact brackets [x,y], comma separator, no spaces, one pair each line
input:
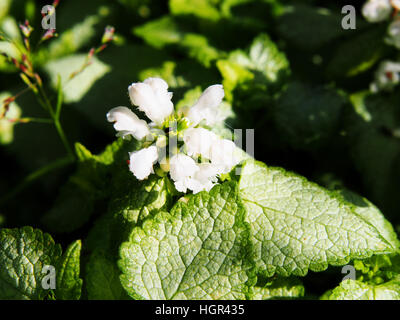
[161,32]
[141,199]
[263,67]
[357,290]
[69,285]
[205,9]
[280,288]
[358,54]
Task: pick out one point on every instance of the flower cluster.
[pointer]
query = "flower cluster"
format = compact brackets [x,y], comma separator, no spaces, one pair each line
[381,10]
[196,157]
[386,76]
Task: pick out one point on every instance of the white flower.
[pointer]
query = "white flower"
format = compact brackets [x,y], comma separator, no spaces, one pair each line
[376,10]
[386,76]
[152,97]
[223,155]
[128,123]
[394,34]
[198,141]
[206,108]
[395,4]
[204,179]
[141,162]
[182,168]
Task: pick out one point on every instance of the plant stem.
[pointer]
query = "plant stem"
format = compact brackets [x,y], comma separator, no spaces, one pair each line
[56,118]
[63,137]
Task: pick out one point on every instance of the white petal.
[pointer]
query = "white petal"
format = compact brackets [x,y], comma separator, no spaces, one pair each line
[127,123]
[206,108]
[141,162]
[223,155]
[142,95]
[198,141]
[376,10]
[206,172]
[157,84]
[211,97]
[152,97]
[205,178]
[196,186]
[181,166]
[181,185]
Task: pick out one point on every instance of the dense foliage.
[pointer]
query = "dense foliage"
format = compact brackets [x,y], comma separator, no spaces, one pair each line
[326,139]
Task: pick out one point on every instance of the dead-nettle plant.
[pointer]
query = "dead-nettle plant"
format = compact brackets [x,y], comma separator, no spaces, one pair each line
[181,141]
[24,63]
[192,215]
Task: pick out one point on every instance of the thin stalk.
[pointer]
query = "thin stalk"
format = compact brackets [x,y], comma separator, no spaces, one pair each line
[63,137]
[56,118]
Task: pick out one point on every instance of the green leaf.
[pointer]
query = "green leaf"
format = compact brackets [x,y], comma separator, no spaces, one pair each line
[131,202]
[145,199]
[264,61]
[308,117]
[74,89]
[102,278]
[23,254]
[357,290]
[69,285]
[195,252]
[161,32]
[298,26]
[167,31]
[263,56]
[4,7]
[199,49]
[205,9]
[370,213]
[233,75]
[279,289]
[102,273]
[358,54]
[167,71]
[87,187]
[298,226]
[373,139]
